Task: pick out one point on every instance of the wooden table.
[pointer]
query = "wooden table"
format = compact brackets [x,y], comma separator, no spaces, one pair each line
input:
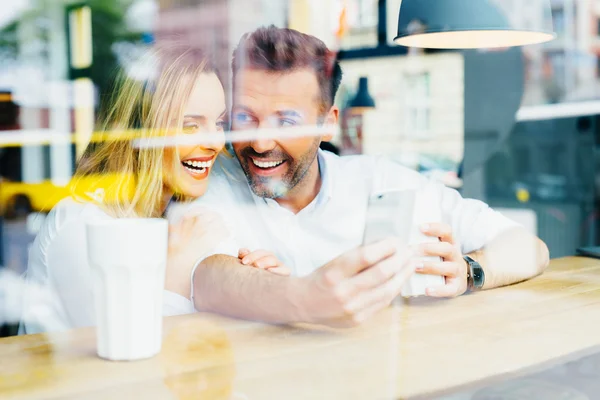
[425,347]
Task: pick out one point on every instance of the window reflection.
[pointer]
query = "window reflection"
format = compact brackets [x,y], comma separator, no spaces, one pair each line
[516,128]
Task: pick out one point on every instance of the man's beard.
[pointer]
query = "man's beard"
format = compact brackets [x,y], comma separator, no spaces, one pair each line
[277,187]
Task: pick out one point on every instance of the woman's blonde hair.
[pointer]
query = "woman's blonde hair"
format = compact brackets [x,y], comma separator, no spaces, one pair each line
[142,109]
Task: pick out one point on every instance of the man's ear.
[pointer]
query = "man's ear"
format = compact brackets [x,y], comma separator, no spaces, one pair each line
[331,119]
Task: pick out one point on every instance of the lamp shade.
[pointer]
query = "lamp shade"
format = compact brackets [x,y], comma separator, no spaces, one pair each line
[362,99]
[470,24]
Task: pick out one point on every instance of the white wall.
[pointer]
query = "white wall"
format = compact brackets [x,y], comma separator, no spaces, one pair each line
[385,130]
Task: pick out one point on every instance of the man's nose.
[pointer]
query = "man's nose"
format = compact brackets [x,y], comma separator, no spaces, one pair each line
[262,145]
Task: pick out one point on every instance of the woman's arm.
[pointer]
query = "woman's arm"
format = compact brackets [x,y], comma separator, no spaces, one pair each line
[56,279]
[69,274]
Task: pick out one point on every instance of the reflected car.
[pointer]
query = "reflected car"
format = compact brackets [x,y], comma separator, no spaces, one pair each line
[440,169]
[19,199]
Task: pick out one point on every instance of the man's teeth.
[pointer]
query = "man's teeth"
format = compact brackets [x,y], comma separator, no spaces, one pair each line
[266,164]
[198,164]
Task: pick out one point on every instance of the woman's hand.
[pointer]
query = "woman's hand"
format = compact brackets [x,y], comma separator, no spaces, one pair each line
[264,260]
[190,238]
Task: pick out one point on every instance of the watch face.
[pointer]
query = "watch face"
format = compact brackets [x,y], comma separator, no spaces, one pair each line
[478,275]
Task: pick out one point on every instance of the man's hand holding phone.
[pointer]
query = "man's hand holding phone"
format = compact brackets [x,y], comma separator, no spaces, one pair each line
[353,287]
[452,265]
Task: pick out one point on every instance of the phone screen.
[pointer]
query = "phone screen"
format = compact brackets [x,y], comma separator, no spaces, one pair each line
[390,214]
[394,214]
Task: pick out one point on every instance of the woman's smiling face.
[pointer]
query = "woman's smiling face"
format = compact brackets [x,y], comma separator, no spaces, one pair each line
[205,111]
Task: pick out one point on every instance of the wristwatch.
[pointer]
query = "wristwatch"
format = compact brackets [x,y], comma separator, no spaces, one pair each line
[475,274]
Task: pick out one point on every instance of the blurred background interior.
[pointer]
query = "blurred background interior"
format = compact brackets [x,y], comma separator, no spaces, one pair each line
[518,128]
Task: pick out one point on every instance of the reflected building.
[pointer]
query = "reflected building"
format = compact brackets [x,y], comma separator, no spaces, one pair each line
[564,69]
[548,165]
[420,105]
[419,97]
[215,25]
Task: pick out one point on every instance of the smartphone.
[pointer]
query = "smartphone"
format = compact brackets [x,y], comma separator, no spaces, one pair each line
[389,214]
[399,214]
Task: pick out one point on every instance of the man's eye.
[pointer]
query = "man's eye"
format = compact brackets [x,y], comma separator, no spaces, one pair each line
[243,118]
[287,122]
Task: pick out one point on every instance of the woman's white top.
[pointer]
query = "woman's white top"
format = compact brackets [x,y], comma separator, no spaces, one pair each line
[58,291]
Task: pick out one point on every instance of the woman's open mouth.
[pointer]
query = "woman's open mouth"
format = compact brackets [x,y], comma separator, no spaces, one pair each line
[198,168]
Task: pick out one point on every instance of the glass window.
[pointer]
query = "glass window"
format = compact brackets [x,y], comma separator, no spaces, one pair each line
[215,122]
[418,104]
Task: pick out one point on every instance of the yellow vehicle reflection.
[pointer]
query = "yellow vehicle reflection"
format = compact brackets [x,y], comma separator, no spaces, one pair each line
[18,199]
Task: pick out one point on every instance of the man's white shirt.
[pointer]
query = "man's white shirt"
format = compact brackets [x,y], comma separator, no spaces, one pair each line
[334,221]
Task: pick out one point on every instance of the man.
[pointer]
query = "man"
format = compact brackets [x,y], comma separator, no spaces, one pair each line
[309,206]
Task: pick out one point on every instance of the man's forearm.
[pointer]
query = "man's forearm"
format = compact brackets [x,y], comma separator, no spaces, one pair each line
[223,285]
[512,257]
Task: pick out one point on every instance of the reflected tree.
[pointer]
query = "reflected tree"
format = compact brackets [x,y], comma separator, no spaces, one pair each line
[109,29]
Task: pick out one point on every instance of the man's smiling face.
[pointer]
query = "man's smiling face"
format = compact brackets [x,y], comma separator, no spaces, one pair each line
[265,99]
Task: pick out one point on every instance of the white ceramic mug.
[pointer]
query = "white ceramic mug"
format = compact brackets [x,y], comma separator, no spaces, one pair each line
[128,259]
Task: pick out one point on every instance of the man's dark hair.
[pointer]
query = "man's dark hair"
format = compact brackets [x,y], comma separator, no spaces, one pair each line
[286,50]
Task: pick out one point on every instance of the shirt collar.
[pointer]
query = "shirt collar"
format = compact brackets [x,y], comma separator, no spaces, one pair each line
[326,192]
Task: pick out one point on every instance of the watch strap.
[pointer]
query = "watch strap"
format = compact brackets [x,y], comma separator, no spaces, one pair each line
[475,274]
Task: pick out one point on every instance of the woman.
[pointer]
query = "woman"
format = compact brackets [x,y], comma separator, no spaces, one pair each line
[184,97]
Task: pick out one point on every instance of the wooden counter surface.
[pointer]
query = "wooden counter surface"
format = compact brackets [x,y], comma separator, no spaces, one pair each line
[423,347]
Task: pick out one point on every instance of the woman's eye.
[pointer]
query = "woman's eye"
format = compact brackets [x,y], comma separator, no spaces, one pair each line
[221,125]
[191,128]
